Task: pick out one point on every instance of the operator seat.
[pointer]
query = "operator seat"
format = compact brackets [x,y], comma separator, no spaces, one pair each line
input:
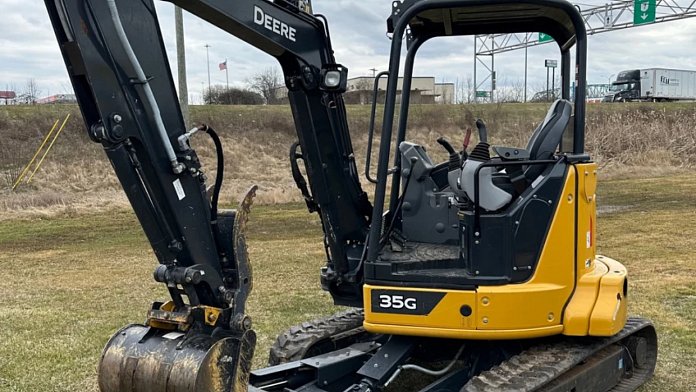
[541,146]
[547,137]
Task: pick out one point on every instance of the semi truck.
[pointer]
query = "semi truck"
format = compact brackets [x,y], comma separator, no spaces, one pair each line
[653,85]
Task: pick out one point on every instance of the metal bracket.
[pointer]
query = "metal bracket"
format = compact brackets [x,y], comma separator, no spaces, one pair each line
[387,359]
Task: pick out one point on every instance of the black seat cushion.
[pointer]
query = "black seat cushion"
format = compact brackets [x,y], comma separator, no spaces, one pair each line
[547,137]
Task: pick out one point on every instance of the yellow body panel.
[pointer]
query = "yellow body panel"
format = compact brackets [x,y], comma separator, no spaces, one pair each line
[587,217]
[444,333]
[577,315]
[539,302]
[610,312]
[444,316]
[571,293]
[526,310]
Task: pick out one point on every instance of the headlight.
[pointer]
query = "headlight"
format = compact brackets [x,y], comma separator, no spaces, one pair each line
[332,79]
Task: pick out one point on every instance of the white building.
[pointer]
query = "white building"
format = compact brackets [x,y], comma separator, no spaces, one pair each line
[424,90]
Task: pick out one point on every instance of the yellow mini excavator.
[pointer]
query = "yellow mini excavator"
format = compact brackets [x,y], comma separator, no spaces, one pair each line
[474,274]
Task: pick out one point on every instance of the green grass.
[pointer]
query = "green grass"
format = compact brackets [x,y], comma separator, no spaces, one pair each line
[69,282]
[655,237]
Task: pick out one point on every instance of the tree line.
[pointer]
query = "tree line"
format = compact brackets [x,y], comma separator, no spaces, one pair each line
[27,95]
[263,88]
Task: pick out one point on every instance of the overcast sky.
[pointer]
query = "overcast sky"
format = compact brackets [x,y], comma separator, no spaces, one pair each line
[358,27]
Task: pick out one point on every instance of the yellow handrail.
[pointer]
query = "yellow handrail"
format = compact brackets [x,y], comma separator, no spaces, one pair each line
[38,165]
[36,154]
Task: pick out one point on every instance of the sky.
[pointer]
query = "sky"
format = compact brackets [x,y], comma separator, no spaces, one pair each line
[358,29]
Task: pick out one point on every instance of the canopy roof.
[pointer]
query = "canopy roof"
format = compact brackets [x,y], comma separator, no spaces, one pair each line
[435,18]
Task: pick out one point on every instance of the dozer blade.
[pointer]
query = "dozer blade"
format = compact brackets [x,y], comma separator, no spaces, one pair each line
[143,359]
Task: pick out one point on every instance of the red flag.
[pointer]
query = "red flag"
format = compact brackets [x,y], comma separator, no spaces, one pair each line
[223,66]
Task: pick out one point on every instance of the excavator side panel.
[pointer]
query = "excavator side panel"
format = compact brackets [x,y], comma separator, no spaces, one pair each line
[489,312]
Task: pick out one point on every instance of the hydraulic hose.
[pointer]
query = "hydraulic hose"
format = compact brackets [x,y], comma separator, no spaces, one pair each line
[220,172]
[435,373]
[184,141]
[177,167]
[400,204]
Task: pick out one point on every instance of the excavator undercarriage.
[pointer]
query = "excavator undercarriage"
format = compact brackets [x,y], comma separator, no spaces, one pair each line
[475,274]
[622,362]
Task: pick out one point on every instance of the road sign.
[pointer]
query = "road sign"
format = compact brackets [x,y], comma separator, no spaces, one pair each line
[483,94]
[551,63]
[644,11]
[545,37]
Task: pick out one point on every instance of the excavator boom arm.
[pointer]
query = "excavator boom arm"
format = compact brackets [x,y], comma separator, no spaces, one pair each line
[117,61]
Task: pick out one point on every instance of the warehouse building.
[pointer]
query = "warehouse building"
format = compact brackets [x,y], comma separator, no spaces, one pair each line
[424,90]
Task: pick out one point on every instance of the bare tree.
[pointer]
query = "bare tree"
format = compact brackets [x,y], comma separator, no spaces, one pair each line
[31,92]
[510,92]
[464,91]
[267,83]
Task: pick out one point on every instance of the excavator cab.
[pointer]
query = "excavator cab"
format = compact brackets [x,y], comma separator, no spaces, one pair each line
[498,243]
[486,262]
[483,224]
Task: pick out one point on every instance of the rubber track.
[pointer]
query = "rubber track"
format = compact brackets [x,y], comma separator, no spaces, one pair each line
[293,344]
[532,369]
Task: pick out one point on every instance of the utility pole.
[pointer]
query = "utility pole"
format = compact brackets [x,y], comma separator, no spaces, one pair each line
[181,65]
[547,84]
[550,64]
[374,72]
[475,61]
[525,73]
[207,57]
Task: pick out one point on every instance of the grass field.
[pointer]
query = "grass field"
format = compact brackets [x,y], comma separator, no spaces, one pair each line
[70,281]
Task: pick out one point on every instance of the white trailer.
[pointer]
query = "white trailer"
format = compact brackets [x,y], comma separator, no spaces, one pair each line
[667,84]
[653,84]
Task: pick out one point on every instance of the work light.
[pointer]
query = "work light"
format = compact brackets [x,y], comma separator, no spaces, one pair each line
[334,78]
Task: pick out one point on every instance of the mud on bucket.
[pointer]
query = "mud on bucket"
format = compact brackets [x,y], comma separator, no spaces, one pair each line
[142,359]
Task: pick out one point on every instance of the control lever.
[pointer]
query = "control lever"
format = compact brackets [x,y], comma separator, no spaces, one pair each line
[455,163]
[446,144]
[483,131]
[465,144]
[454,167]
[455,160]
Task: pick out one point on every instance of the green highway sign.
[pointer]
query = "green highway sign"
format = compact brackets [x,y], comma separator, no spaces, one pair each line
[644,11]
[544,37]
[482,94]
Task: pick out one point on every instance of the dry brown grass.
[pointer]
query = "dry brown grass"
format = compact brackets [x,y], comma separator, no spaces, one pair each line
[627,140]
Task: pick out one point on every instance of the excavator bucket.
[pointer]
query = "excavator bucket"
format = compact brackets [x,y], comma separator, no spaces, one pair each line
[160,358]
[145,359]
